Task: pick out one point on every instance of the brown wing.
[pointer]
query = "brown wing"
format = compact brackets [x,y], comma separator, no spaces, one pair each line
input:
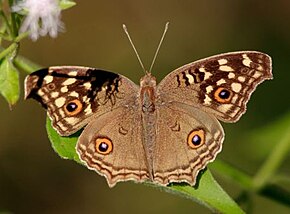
[72,94]
[220,85]
[112,145]
[187,139]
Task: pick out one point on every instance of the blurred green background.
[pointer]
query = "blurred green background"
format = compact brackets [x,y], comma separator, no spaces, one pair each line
[33,179]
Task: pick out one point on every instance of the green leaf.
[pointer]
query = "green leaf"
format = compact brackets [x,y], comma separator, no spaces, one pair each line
[66,4]
[63,146]
[9,81]
[208,193]
[232,173]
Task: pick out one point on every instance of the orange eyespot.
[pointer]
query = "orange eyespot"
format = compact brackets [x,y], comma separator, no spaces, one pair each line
[223,95]
[73,107]
[104,145]
[196,138]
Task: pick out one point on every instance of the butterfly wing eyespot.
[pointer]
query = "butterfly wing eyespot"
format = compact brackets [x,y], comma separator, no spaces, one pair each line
[51,86]
[196,138]
[103,145]
[73,107]
[223,95]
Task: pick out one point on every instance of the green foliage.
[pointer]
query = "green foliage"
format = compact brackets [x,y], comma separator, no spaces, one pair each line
[208,193]
[9,81]
[63,146]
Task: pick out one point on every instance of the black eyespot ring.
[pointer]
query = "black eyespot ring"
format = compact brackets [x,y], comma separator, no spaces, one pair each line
[223,95]
[73,107]
[196,138]
[103,145]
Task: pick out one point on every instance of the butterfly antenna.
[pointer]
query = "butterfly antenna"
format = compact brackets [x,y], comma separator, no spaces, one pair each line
[133,46]
[159,45]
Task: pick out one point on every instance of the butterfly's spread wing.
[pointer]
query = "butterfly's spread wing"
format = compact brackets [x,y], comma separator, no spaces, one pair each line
[220,85]
[112,145]
[72,95]
[76,96]
[187,138]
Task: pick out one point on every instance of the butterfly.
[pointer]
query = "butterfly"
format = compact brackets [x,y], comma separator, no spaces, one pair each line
[162,133]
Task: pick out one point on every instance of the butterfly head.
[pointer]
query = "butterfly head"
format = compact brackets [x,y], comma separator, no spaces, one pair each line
[148,81]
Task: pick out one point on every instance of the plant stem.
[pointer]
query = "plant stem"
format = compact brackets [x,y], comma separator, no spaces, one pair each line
[6,21]
[8,50]
[25,64]
[13,46]
[273,162]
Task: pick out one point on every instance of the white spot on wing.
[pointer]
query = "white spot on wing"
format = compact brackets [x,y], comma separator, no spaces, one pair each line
[221,81]
[202,69]
[61,113]
[69,81]
[236,87]
[226,68]
[224,107]
[190,78]
[207,100]
[88,109]
[40,92]
[48,79]
[231,75]
[222,61]
[54,94]
[251,80]
[260,68]
[74,94]
[209,89]
[85,99]
[241,78]
[257,74]
[87,85]
[246,61]
[59,102]
[207,75]
[73,73]
[64,89]
[234,98]
[71,120]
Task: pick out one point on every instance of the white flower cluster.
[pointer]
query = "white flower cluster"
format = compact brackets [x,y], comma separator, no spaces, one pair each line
[43,17]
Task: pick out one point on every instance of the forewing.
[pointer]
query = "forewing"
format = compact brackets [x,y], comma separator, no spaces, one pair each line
[73,95]
[220,85]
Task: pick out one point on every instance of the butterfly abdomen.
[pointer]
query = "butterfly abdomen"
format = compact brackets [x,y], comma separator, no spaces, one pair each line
[148,113]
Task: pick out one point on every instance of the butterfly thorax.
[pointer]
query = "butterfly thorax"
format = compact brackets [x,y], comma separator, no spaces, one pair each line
[147,93]
[148,114]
